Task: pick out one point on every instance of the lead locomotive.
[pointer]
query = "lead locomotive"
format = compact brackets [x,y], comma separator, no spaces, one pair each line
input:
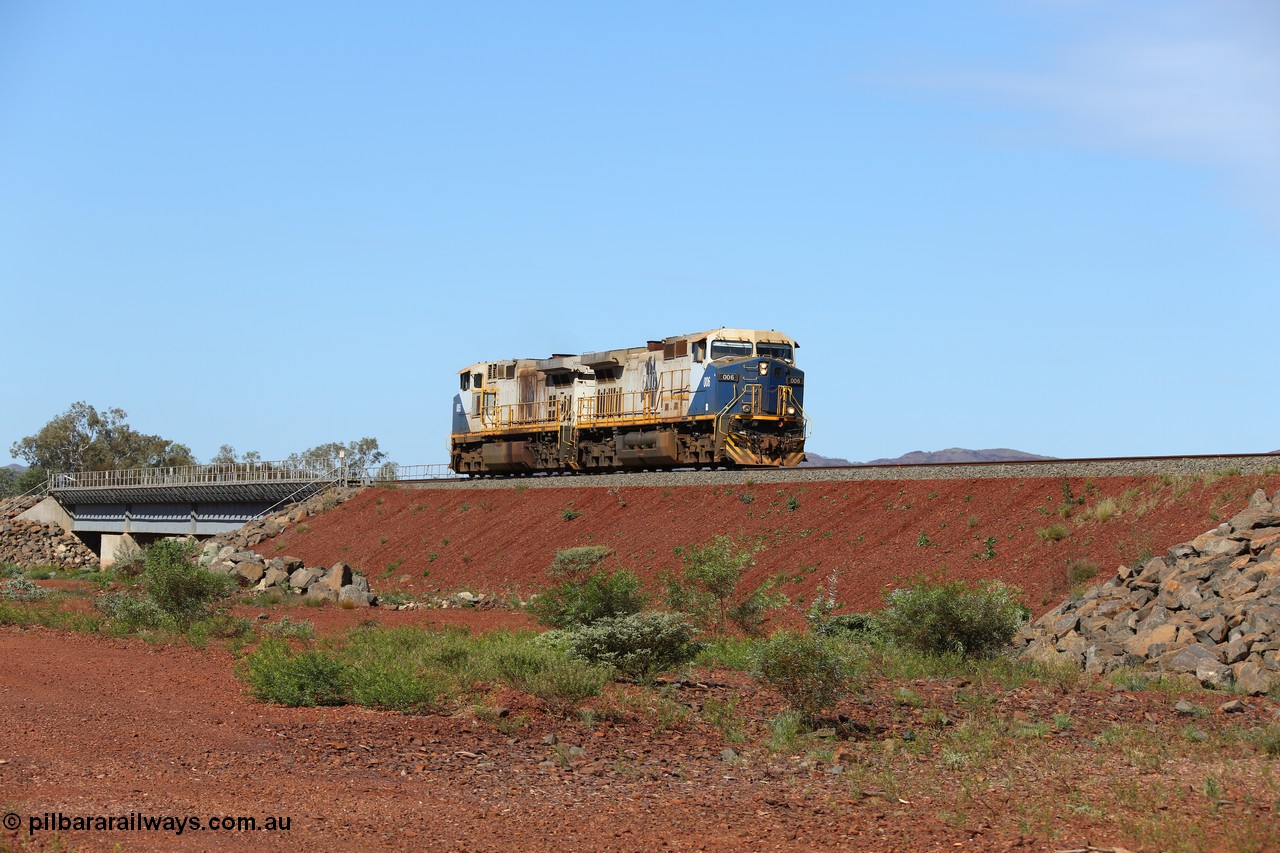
[726,397]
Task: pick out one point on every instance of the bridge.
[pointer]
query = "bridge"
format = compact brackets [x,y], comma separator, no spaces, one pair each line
[106,508]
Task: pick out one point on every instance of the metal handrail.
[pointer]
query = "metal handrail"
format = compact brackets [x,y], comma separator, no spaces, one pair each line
[228,472]
[390,472]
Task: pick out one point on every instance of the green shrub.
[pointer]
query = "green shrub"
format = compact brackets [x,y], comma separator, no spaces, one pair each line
[127,613]
[9,570]
[954,616]
[298,629]
[182,590]
[586,593]
[21,589]
[709,588]
[862,626]
[312,677]
[1054,533]
[811,672]
[565,684]
[639,646]
[1079,571]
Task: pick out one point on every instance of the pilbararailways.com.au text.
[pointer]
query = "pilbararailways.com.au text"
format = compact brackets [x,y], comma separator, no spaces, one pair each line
[140,822]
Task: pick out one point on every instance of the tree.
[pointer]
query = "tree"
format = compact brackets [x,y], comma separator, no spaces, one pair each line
[85,439]
[710,588]
[359,455]
[226,455]
[8,482]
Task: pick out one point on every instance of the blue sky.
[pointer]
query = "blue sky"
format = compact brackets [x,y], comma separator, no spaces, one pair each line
[1052,225]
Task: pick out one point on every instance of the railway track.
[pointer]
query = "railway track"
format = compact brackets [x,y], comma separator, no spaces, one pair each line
[1174,466]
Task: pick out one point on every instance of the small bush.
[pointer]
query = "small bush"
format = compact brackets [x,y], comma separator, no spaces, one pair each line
[639,646]
[710,589]
[568,683]
[586,593]
[183,591]
[1104,510]
[21,589]
[9,570]
[304,679]
[298,629]
[1053,533]
[953,616]
[810,672]
[862,626]
[127,613]
[1079,571]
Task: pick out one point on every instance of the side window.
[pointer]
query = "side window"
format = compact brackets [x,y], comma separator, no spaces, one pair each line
[464,382]
[478,380]
[699,351]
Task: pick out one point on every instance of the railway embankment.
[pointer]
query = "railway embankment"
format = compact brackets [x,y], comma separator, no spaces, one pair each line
[1047,535]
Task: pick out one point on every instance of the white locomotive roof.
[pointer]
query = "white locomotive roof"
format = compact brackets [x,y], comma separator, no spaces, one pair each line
[603,358]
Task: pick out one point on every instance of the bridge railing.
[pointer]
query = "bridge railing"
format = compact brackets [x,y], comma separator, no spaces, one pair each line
[391,472]
[230,472]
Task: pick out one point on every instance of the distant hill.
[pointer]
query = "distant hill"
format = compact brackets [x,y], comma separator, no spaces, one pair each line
[930,457]
[957,454]
[16,467]
[813,460]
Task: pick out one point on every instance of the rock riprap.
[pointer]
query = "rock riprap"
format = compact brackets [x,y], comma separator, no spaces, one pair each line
[289,574]
[34,544]
[1209,608]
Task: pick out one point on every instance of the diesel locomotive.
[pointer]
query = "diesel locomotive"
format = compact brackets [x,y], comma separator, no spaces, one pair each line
[722,398]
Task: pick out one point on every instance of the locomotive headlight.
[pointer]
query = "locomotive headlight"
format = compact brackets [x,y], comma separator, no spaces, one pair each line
[791,410]
[764,368]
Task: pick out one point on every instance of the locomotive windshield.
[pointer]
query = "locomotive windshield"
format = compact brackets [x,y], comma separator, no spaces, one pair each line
[779,351]
[730,349]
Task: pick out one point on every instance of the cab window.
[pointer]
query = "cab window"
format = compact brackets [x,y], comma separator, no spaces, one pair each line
[730,349]
[779,351]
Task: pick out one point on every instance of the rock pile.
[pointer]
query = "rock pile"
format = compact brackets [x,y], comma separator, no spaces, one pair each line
[1210,608]
[231,554]
[262,529]
[289,574]
[31,544]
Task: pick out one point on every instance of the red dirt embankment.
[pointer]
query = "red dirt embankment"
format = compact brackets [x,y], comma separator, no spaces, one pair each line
[875,534]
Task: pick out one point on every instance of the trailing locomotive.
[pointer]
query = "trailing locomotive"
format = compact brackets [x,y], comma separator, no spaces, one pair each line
[725,397]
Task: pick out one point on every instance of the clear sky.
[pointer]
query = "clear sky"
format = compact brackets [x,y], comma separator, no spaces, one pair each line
[1052,225]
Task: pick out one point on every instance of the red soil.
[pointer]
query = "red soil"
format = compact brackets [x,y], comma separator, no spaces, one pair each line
[502,540]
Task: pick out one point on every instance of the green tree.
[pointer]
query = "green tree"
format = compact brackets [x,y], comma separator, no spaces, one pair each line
[710,588]
[226,455]
[8,482]
[357,455]
[85,439]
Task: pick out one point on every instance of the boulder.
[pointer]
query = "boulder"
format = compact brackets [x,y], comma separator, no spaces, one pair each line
[1252,678]
[304,578]
[250,573]
[351,594]
[1188,659]
[275,577]
[338,576]
[1214,675]
[322,592]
